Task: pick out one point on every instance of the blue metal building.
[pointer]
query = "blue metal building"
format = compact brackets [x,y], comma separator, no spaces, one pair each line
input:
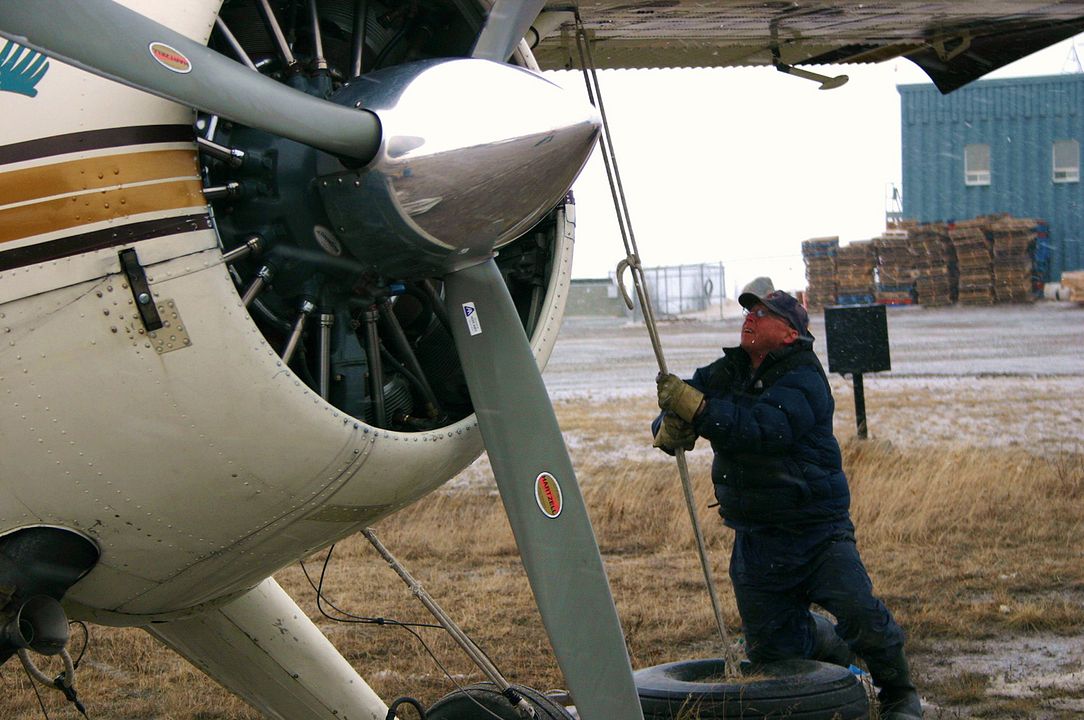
[999,146]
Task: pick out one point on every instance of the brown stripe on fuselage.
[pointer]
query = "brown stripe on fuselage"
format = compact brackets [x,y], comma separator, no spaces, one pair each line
[95,140]
[45,181]
[79,210]
[100,239]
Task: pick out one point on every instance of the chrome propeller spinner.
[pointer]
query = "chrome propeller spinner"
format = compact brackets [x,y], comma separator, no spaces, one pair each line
[447,188]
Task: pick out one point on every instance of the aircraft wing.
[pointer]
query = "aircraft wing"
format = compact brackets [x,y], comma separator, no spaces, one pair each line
[954,41]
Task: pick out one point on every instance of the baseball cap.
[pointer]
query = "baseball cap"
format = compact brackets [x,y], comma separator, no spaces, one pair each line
[783,305]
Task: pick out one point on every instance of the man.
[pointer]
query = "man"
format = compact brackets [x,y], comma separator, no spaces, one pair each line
[766,407]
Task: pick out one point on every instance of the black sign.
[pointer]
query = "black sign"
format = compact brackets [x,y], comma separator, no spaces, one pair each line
[857,339]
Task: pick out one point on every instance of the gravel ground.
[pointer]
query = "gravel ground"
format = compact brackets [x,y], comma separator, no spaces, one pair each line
[1002,375]
[1046,339]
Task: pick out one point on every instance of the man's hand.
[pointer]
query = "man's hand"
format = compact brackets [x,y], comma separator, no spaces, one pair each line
[674,433]
[678,396]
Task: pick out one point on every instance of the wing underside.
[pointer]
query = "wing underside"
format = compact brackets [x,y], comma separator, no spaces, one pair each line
[953,42]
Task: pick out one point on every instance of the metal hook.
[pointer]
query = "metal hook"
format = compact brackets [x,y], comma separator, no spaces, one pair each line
[630,261]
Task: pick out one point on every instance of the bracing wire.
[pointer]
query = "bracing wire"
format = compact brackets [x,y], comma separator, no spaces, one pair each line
[350,618]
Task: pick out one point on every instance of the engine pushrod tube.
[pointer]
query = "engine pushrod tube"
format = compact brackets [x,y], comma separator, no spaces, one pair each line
[357,41]
[317,39]
[231,156]
[376,370]
[252,245]
[402,345]
[276,31]
[438,304]
[295,334]
[231,40]
[326,321]
[230,189]
[263,277]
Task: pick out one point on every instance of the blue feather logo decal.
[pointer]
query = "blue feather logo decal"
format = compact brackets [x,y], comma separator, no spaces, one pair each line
[21,69]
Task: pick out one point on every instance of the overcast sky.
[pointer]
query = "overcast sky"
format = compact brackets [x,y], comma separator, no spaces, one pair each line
[740,165]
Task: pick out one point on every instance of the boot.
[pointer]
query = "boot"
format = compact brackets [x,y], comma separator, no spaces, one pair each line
[897,697]
[827,646]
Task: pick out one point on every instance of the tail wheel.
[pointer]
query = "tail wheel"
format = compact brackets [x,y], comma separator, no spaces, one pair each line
[795,689]
[484,700]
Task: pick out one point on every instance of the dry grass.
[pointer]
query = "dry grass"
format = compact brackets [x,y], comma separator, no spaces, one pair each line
[963,544]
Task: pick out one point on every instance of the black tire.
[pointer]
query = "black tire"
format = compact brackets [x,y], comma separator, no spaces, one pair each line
[793,689]
[472,702]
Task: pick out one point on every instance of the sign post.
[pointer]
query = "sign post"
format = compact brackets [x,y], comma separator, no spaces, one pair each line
[857,340]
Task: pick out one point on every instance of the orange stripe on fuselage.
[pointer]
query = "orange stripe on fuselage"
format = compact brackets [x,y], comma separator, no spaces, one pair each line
[172,178]
[44,181]
[78,210]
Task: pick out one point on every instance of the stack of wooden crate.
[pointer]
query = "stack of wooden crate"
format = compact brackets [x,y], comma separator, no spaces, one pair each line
[936,278]
[974,261]
[896,268]
[1013,243]
[820,270]
[855,263]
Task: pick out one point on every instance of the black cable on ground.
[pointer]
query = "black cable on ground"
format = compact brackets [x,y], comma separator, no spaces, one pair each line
[405,701]
[350,618]
[347,617]
[34,685]
[86,641]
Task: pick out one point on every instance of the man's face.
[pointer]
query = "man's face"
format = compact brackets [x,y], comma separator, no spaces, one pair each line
[763,331]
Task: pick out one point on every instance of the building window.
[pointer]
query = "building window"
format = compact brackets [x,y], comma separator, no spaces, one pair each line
[976,164]
[1066,161]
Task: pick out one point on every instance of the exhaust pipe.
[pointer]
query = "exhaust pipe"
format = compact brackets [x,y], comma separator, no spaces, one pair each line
[40,624]
[37,566]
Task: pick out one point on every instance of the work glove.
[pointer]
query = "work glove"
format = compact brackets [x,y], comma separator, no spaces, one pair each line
[678,396]
[674,433]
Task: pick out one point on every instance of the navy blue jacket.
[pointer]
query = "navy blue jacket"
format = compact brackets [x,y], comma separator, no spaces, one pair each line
[777,463]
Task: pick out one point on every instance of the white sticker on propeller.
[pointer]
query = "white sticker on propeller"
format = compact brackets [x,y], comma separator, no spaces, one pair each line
[470,314]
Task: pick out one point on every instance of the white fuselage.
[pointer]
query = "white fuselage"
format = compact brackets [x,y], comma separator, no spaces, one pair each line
[196,460]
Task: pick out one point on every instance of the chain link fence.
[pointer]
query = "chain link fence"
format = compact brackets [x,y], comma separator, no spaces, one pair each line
[681,291]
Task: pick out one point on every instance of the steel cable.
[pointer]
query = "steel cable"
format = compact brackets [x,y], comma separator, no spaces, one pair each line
[633,264]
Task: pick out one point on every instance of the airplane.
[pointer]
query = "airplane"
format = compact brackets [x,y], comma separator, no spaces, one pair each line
[272,270]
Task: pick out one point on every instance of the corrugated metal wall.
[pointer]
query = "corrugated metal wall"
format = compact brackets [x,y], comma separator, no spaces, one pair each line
[1019,119]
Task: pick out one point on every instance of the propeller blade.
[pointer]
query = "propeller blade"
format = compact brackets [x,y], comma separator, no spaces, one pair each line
[540,494]
[111,41]
[508,21]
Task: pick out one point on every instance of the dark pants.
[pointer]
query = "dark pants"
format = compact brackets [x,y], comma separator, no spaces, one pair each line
[775,580]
